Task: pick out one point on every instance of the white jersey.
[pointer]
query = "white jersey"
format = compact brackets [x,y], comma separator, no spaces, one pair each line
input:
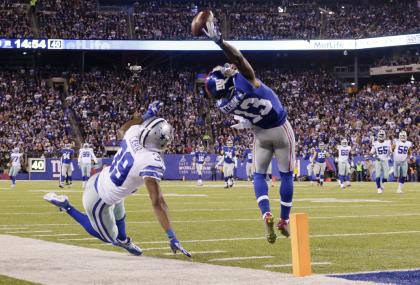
[382,150]
[401,150]
[130,165]
[86,155]
[15,158]
[343,153]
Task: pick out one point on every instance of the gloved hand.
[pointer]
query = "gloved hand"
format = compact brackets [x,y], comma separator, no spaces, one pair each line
[212,32]
[242,124]
[152,110]
[176,246]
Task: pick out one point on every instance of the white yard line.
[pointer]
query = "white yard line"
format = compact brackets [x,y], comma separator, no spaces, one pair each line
[290,265]
[240,258]
[28,232]
[76,239]
[198,252]
[56,235]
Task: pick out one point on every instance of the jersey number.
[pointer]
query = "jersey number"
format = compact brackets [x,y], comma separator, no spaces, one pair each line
[402,149]
[382,150]
[121,165]
[254,103]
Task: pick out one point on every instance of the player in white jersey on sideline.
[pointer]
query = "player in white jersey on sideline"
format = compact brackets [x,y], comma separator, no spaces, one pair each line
[15,165]
[381,150]
[86,156]
[137,162]
[343,163]
[402,152]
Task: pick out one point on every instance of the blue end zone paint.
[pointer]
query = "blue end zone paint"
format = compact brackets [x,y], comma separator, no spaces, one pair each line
[408,277]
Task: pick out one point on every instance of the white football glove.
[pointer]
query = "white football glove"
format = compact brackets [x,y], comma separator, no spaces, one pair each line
[242,124]
[213,32]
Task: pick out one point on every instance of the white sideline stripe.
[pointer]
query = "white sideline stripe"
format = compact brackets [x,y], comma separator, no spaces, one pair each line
[28,232]
[289,265]
[241,258]
[75,239]
[55,235]
[198,252]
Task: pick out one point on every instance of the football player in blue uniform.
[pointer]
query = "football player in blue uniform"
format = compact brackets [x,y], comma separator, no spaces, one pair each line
[66,167]
[199,162]
[229,161]
[239,92]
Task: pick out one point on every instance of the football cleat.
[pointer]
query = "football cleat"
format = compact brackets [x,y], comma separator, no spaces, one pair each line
[283,227]
[61,201]
[176,246]
[269,227]
[128,246]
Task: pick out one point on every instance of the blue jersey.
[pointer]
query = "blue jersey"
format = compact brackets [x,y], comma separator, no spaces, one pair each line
[248,155]
[200,157]
[261,106]
[228,154]
[320,155]
[66,155]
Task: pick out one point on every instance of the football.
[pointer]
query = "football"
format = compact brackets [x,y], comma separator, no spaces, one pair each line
[199,22]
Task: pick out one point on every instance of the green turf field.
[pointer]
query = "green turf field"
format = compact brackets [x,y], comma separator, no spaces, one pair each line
[351,230]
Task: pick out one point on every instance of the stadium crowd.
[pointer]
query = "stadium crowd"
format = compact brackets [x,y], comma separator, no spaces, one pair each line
[253,20]
[32,116]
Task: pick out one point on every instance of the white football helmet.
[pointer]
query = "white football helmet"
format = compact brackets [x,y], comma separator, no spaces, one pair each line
[344,142]
[403,136]
[157,133]
[381,135]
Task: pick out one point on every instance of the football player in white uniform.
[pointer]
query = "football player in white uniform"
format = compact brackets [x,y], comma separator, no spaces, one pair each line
[86,156]
[402,152]
[15,165]
[137,162]
[343,163]
[381,150]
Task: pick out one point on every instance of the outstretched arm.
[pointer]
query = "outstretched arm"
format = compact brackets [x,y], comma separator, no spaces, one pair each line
[233,54]
[152,111]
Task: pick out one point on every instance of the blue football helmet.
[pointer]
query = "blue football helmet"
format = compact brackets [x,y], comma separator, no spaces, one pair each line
[218,85]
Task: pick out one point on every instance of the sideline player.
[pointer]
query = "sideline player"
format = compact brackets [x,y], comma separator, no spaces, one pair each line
[67,154]
[320,155]
[15,165]
[137,162]
[381,150]
[239,92]
[228,160]
[199,163]
[343,163]
[249,167]
[86,156]
[402,153]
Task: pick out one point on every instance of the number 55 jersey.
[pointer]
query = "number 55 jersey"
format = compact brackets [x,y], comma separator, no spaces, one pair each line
[130,165]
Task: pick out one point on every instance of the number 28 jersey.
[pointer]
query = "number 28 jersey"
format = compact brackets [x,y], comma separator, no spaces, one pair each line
[261,106]
[130,165]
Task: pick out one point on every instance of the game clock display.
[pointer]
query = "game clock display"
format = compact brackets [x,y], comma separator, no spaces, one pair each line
[31,44]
